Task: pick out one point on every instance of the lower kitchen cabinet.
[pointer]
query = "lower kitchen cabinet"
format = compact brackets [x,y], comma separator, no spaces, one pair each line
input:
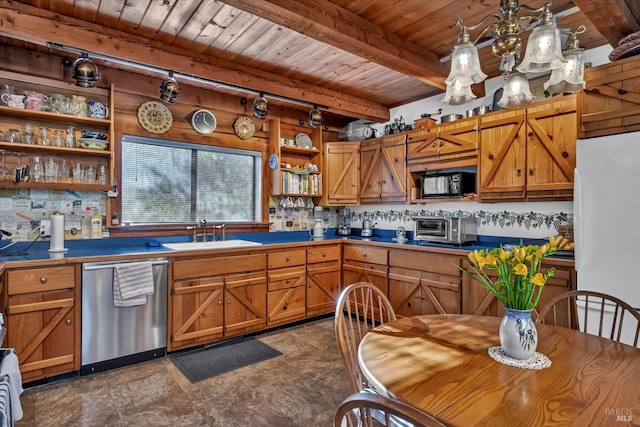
[424,283]
[286,289]
[216,297]
[323,279]
[43,320]
[366,264]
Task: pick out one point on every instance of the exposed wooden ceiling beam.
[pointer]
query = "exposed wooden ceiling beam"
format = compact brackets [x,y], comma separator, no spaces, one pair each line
[326,22]
[614,19]
[40,26]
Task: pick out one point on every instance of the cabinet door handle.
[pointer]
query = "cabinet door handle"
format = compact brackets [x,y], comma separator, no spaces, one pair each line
[228,301]
[68,321]
[219,302]
[288,259]
[287,281]
[518,171]
[531,171]
[43,280]
[324,254]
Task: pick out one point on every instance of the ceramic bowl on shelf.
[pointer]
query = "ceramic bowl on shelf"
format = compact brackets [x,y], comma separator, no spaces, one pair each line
[89,134]
[93,144]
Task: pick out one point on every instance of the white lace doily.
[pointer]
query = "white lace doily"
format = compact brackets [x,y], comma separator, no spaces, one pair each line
[537,361]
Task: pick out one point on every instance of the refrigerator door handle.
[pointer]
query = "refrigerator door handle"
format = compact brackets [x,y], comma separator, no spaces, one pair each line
[577,217]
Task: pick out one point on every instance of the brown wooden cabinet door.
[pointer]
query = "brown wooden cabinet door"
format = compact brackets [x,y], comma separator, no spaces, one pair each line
[551,150]
[197,311]
[245,304]
[450,145]
[441,294]
[502,156]
[370,152]
[393,169]
[323,287]
[286,305]
[42,329]
[342,172]
[354,271]
[405,292]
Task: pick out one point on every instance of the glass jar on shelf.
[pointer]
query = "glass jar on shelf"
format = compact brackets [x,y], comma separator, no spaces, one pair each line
[45,138]
[70,137]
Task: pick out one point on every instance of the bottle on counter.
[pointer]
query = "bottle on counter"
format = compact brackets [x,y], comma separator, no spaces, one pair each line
[96,226]
[114,219]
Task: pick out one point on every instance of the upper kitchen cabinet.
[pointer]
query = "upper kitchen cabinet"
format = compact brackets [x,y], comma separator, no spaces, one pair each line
[295,160]
[529,154]
[610,104]
[42,139]
[383,170]
[341,167]
[449,145]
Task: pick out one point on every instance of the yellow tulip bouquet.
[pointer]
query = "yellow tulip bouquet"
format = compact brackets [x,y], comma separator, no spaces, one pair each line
[519,283]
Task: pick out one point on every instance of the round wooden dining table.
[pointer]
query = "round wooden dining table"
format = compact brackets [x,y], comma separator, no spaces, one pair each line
[440,364]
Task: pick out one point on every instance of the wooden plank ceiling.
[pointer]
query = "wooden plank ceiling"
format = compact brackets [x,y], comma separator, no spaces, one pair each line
[358,57]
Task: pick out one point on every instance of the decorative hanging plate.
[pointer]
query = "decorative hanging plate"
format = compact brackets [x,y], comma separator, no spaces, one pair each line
[244,127]
[154,117]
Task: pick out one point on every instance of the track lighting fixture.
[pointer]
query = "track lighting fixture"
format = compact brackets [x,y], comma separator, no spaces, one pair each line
[169,89]
[85,72]
[315,117]
[260,107]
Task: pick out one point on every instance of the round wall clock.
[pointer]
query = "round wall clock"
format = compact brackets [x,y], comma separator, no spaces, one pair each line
[154,117]
[244,127]
[203,121]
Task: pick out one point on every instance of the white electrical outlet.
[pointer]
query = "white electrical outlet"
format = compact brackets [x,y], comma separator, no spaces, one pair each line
[45,228]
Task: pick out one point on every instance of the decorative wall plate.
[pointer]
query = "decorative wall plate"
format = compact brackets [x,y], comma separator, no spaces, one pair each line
[303,140]
[244,127]
[154,117]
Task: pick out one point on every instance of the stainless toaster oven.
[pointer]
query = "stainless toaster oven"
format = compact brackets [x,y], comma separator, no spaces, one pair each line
[439,229]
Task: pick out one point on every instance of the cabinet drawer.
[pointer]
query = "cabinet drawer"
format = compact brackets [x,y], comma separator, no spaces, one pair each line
[212,266]
[286,258]
[423,261]
[322,254]
[287,278]
[41,279]
[366,254]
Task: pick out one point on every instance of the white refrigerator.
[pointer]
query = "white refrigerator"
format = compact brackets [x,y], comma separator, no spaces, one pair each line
[606,209]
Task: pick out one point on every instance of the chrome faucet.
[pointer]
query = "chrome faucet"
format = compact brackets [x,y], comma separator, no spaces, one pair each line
[223,227]
[203,223]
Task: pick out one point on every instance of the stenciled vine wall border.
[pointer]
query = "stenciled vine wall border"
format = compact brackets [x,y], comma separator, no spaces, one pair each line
[501,219]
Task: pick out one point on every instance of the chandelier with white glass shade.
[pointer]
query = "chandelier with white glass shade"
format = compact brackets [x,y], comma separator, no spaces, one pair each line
[543,53]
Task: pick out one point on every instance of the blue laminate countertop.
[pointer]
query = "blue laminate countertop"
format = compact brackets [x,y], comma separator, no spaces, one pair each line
[152,246]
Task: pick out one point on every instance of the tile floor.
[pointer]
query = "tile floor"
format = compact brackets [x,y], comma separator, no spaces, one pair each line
[303,387]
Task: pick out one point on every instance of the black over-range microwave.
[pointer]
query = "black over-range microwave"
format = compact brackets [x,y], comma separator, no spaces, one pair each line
[448,184]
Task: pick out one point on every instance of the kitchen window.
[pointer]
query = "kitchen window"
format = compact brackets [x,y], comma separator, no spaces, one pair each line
[175,182]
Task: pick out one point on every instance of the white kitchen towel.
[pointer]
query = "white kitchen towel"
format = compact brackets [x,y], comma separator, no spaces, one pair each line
[11,367]
[132,282]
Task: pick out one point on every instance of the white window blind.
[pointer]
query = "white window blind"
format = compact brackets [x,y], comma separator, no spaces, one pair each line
[176,182]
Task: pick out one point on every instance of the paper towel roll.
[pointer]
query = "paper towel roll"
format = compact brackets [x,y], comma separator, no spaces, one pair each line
[57,233]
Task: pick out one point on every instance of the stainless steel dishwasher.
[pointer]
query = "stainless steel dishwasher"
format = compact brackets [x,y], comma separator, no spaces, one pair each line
[117,336]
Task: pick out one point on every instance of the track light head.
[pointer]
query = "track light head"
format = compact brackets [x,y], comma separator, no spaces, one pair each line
[169,89]
[85,72]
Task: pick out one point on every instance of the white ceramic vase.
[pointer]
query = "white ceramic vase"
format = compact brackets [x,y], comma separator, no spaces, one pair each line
[518,334]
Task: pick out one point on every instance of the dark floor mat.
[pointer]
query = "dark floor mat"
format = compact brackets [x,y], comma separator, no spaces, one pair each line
[208,362]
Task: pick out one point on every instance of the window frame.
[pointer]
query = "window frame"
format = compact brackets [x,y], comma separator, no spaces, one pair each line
[257,179]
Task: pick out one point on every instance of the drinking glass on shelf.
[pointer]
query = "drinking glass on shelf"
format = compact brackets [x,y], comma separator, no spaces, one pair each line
[51,169]
[13,136]
[90,175]
[102,175]
[78,173]
[28,133]
[37,171]
[64,175]
[3,170]
[45,138]
[70,137]
[58,140]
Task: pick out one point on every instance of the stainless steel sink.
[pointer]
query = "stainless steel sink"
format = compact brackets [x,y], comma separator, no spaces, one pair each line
[196,246]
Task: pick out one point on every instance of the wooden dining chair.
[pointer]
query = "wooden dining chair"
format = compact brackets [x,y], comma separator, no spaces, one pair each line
[369,410]
[563,311]
[361,306]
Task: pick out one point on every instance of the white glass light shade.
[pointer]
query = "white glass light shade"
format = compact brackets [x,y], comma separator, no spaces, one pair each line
[544,50]
[569,78]
[457,95]
[465,65]
[516,91]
